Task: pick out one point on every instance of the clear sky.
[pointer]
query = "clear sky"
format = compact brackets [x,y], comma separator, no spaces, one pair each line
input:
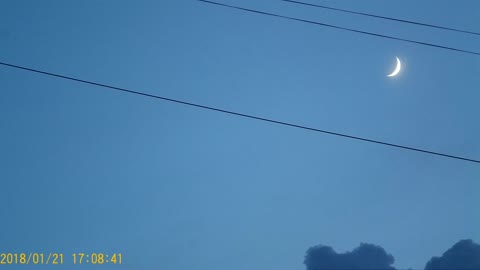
[85,169]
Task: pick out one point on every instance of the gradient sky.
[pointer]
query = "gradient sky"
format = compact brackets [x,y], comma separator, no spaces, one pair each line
[85,169]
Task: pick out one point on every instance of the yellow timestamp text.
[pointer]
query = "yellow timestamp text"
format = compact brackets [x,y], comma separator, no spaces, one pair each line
[59,258]
[97,258]
[31,258]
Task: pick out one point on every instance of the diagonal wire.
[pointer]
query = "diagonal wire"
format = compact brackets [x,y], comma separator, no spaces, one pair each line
[382,17]
[341,28]
[239,114]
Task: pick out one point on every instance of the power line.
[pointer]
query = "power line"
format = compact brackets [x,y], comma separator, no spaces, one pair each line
[382,17]
[339,27]
[237,113]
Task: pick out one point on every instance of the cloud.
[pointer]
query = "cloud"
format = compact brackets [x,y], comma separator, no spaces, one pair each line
[463,255]
[366,256]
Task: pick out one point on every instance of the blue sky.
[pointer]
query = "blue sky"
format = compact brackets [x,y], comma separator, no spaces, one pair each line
[86,169]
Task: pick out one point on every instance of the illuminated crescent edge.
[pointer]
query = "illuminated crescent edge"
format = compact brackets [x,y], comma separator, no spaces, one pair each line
[397,69]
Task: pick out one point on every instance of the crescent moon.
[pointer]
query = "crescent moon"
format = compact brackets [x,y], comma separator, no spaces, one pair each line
[397,69]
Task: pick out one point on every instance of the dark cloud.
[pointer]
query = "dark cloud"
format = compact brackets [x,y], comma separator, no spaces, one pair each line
[366,256]
[463,255]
